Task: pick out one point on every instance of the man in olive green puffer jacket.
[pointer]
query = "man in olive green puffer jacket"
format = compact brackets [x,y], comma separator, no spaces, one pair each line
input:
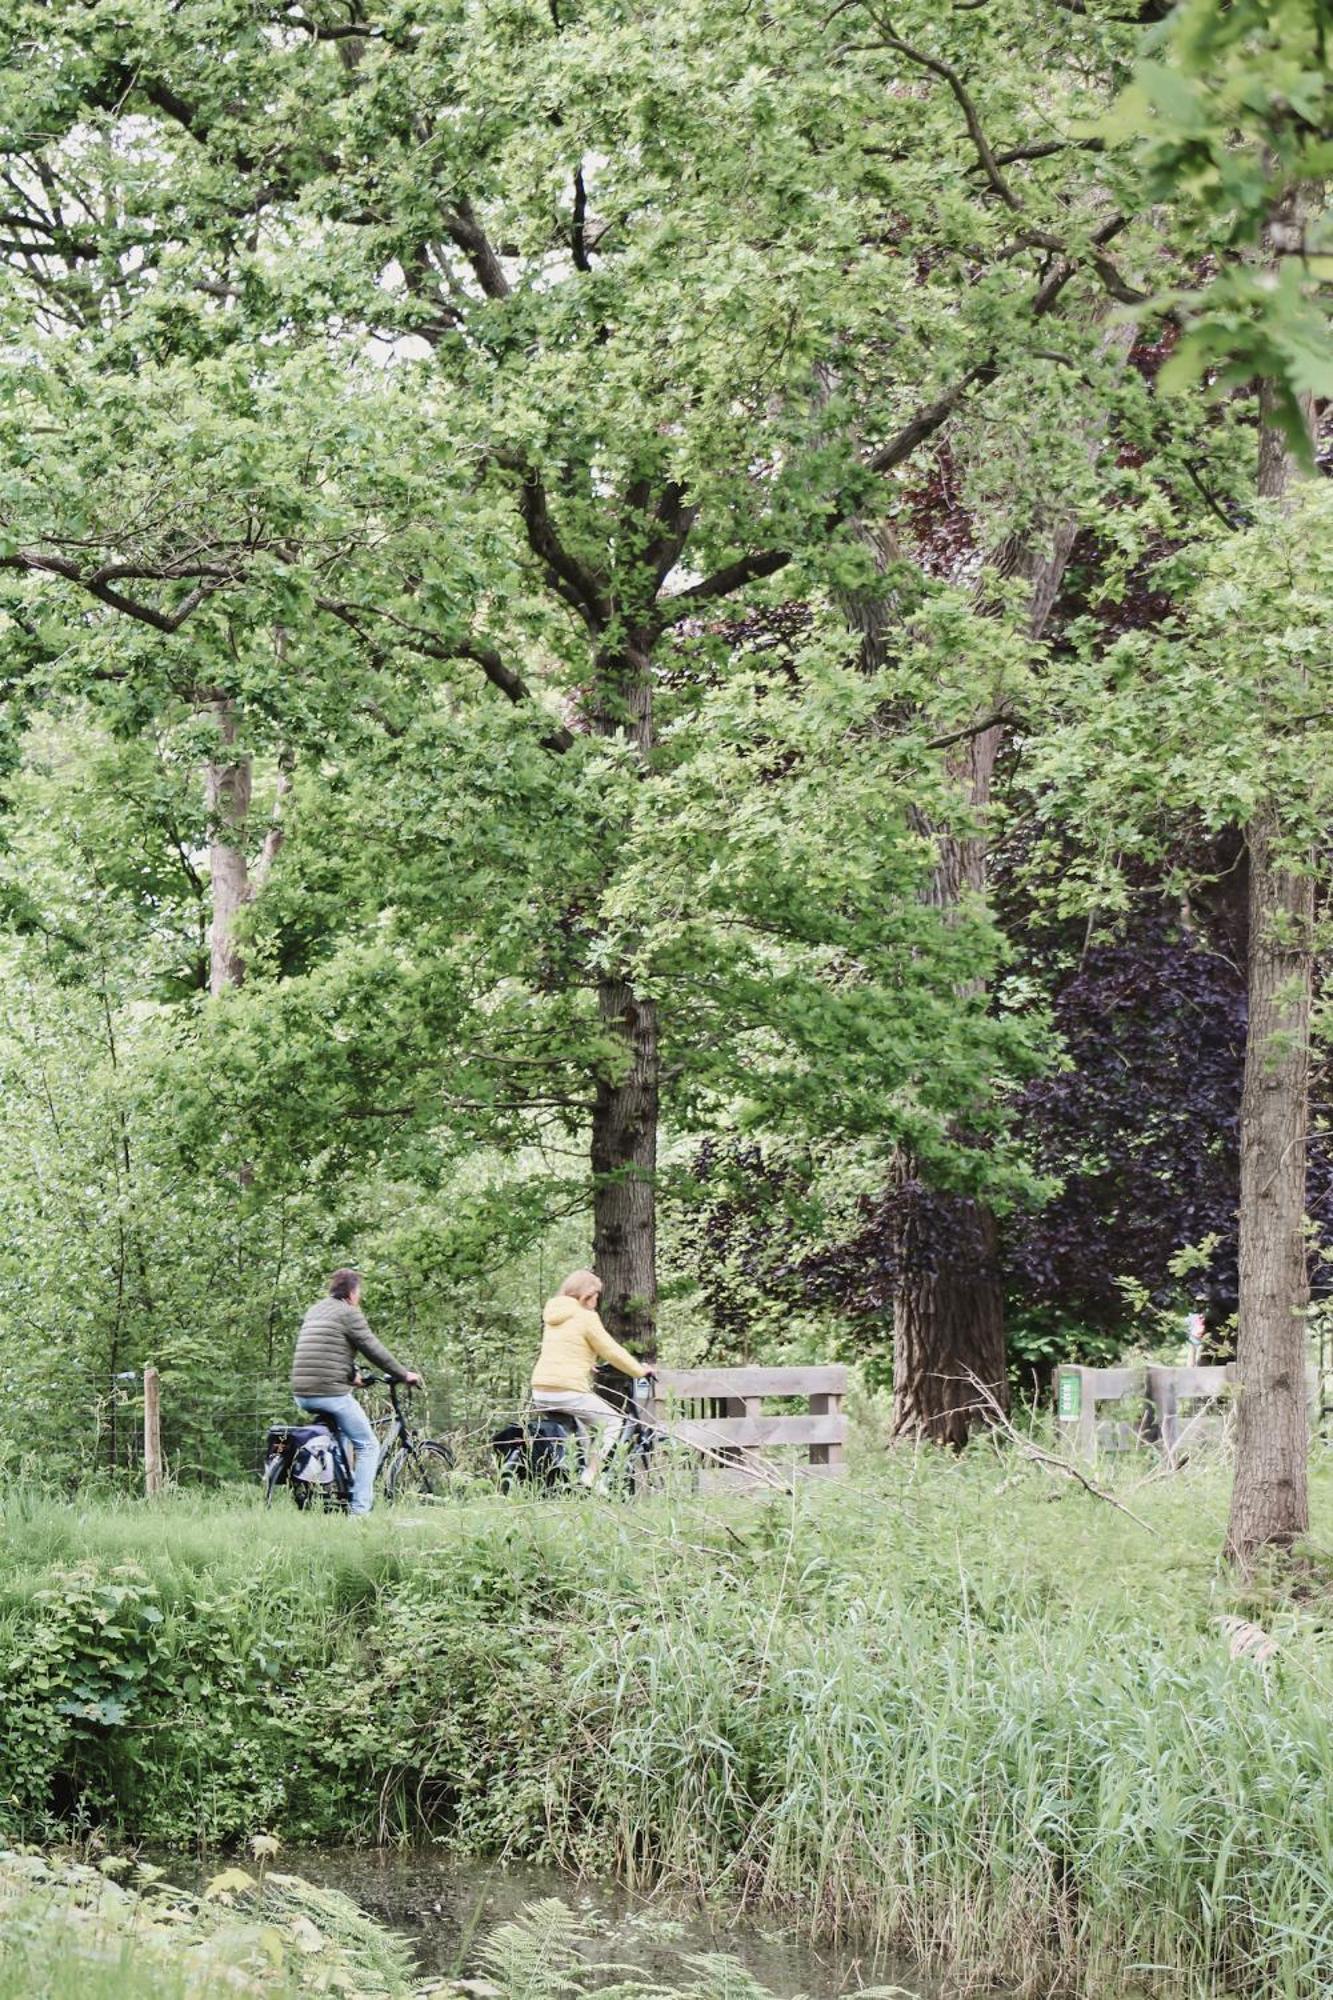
[333,1333]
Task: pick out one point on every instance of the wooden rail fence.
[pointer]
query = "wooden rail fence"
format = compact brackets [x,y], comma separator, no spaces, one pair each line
[719,1412]
[1168,1408]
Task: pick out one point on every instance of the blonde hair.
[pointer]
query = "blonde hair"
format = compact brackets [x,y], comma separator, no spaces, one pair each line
[578,1284]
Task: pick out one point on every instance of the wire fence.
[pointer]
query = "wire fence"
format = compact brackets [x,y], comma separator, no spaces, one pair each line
[89,1424]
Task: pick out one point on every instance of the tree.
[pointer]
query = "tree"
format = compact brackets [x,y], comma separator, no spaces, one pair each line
[948,1310]
[600,283]
[1236,123]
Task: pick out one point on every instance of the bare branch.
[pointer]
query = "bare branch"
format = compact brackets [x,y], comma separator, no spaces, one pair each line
[995,720]
[1049,1460]
[1043,150]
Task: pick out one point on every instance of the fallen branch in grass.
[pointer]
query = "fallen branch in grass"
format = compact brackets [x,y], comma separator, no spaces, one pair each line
[1050,1460]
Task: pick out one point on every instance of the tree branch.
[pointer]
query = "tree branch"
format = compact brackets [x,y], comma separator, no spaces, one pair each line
[1043,150]
[578,241]
[98,584]
[1049,1460]
[926,422]
[732,576]
[1142,16]
[466,231]
[421,640]
[976,131]
[993,721]
[567,576]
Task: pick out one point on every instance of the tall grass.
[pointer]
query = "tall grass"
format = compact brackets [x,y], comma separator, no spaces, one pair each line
[949,1706]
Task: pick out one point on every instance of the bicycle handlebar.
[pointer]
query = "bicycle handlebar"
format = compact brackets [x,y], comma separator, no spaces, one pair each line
[393,1383]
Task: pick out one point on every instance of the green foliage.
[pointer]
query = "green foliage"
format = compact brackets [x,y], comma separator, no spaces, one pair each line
[1222,709]
[1231,110]
[123,1932]
[549,1953]
[974,1711]
[422,400]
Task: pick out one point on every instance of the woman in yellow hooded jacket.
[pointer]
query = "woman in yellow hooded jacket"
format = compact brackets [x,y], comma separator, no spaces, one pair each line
[573,1342]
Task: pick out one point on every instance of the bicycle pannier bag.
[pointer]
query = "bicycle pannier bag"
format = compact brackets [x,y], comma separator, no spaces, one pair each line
[314,1460]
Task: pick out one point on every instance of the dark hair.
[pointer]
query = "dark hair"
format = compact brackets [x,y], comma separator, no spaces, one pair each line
[343,1283]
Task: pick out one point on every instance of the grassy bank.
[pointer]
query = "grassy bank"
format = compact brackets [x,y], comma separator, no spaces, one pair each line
[976,1714]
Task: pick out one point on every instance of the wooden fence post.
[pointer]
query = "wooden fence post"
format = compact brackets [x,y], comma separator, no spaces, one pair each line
[826,1406]
[152,1433]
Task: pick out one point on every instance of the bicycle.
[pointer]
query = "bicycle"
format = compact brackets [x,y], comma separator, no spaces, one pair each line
[544,1449]
[419,1467]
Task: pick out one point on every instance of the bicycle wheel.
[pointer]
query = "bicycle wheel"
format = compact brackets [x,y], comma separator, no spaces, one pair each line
[421,1471]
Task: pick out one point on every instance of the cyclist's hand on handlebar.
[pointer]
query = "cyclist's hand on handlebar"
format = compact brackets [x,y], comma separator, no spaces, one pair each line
[412,1379]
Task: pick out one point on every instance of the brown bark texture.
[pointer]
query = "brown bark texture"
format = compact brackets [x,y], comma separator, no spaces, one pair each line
[1270,1501]
[227,787]
[625,1107]
[624,1166]
[949,1369]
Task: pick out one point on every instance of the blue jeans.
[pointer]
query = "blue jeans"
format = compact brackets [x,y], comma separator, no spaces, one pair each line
[353,1427]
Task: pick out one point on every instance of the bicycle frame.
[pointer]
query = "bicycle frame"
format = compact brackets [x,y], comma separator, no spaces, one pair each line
[390,1431]
[393,1429]
[622,1467]
[405,1460]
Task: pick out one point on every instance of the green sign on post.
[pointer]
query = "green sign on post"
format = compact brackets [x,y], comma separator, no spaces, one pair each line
[1070,1400]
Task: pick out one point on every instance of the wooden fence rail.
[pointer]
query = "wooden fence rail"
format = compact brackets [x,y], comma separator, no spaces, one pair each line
[720,1412]
[1167,1408]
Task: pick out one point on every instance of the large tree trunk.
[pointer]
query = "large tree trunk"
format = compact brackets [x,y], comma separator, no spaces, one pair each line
[624,1168]
[227,787]
[625,1110]
[949,1372]
[1270,1503]
[1270,1497]
[949,1366]
[948,1316]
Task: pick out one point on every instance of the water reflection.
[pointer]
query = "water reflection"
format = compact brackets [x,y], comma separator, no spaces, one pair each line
[447,1906]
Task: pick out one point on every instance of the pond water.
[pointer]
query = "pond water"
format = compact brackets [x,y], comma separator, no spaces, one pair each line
[445,1906]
